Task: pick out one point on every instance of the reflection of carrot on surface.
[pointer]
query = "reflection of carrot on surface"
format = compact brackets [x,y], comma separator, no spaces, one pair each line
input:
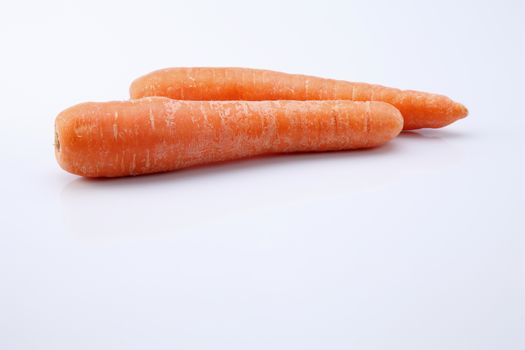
[159,134]
[419,109]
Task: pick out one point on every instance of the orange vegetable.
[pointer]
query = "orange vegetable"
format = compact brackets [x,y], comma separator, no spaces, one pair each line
[159,134]
[419,109]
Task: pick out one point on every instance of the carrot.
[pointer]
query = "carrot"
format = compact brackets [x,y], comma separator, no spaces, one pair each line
[159,134]
[419,109]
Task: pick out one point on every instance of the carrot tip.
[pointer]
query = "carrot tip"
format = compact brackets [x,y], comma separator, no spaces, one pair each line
[462,111]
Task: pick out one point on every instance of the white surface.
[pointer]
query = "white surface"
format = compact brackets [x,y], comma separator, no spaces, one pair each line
[416,245]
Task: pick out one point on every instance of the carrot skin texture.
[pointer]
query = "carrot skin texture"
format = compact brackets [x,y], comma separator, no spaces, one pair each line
[419,109]
[158,134]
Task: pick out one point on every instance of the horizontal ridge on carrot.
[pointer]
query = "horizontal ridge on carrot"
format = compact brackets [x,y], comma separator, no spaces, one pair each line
[158,134]
[419,109]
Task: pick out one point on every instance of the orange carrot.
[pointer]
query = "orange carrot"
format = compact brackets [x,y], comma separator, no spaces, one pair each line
[419,109]
[159,134]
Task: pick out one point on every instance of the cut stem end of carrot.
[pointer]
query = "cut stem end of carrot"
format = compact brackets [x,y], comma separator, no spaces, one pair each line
[57,142]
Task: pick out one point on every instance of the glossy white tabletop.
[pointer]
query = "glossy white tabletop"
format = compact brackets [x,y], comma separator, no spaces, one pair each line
[419,244]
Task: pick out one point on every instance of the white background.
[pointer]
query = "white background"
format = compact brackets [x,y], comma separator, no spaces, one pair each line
[416,245]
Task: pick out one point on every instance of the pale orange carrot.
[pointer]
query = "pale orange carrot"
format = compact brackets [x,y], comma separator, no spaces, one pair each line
[159,134]
[419,109]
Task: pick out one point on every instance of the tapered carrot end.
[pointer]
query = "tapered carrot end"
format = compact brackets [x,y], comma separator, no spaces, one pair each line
[460,111]
[452,112]
[426,110]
